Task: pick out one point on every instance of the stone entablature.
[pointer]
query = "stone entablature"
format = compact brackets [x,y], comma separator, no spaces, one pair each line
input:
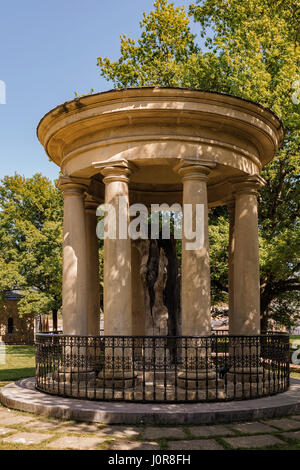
[156,127]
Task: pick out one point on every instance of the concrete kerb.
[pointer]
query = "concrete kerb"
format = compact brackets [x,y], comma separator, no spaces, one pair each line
[23,396]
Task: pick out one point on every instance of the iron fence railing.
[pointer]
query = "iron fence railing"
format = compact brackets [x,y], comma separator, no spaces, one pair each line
[162,369]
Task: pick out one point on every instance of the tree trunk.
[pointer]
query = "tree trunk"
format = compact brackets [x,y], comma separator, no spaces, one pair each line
[54,320]
[265,300]
[161,284]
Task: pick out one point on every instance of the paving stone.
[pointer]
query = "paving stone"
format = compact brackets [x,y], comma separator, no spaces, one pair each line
[4,415]
[76,443]
[160,432]
[12,419]
[79,428]
[217,430]
[27,438]
[4,431]
[252,427]
[296,417]
[263,440]
[119,431]
[134,445]
[204,444]
[43,425]
[6,412]
[285,423]
[292,434]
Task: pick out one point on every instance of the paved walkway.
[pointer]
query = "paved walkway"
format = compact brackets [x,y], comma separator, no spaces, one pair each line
[28,431]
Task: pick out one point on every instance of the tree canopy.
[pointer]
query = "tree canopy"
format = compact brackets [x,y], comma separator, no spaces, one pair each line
[251,50]
[31,242]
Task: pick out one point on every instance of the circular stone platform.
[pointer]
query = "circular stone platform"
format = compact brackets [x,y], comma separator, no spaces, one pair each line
[22,395]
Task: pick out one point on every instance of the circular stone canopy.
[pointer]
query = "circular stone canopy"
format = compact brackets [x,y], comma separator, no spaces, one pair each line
[153,129]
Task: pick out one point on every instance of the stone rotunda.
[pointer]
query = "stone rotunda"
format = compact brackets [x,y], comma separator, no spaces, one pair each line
[154,146]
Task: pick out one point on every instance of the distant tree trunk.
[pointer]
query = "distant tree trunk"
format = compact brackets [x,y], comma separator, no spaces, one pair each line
[264,321]
[54,319]
[265,300]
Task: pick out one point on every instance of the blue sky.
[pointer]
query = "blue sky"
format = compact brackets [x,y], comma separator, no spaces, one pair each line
[49,49]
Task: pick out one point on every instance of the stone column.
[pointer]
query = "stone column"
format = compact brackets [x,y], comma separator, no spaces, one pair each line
[195,271]
[75,279]
[195,281]
[92,247]
[118,371]
[231,211]
[117,256]
[245,318]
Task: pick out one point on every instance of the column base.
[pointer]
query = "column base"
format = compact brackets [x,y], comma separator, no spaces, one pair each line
[116,379]
[201,379]
[245,375]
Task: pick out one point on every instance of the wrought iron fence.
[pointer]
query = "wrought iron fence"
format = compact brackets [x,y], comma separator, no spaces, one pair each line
[162,369]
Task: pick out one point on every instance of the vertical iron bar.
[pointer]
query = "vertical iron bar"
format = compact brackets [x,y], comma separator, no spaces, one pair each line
[206,366]
[154,367]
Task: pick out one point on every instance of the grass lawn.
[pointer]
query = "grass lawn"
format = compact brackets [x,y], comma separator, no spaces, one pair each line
[16,362]
[294,338]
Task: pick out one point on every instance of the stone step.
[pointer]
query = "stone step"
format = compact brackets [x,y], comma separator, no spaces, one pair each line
[69,377]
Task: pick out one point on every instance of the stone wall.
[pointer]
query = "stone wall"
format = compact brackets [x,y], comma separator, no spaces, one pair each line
[23,328]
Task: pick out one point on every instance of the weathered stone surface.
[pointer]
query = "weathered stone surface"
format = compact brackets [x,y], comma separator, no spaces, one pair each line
[120,431]
[76,443]
[217,430]
[296,417]
[285,423]
[79,428]
[161,432]
[27,438]
[12,419]
[134,445]
[44,425]
[250,428]
[263,440]
[204,444]
[4,430]
[292,434]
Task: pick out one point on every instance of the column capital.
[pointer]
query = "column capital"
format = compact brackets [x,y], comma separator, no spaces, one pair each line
[115,170]
[247,184]
[190,169]
[115,173]
[71,186]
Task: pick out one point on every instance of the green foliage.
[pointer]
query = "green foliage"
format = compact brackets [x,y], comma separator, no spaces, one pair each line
[77,95]
[251,51]
[158,57]
[31,242]
[218,237]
